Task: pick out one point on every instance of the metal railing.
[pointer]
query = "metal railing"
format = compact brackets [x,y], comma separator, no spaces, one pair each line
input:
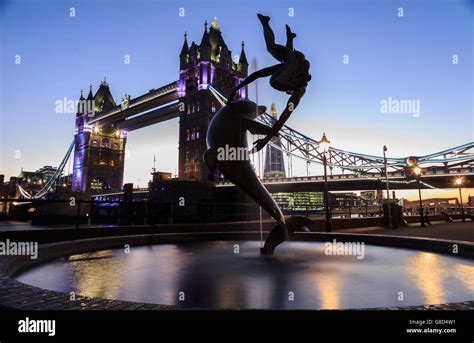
[78,212]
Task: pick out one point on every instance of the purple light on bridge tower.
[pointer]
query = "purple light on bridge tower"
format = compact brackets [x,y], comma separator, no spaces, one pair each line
[182,83]
[213,72]
[243,90]
[204,79]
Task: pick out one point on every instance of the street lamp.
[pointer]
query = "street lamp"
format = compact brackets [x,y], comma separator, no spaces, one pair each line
[388,189]
[459,184]
[324,143]
[417,170]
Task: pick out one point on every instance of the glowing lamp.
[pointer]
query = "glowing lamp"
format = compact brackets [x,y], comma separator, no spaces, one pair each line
[324,143]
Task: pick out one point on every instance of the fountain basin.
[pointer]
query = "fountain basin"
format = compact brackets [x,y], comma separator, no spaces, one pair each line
[232,274]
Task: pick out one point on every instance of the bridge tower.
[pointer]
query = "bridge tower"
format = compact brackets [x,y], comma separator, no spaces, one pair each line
[209,63]
[99,151]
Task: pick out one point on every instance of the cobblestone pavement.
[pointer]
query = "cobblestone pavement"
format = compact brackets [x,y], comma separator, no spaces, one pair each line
[16,295]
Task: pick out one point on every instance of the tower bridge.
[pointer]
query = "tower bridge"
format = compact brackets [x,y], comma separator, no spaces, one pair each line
[206,73]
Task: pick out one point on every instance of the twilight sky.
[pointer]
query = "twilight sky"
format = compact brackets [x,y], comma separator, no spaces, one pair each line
[409,58]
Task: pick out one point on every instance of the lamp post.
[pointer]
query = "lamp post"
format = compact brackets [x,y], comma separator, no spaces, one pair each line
[459,184]
[417,170]
[388,189]
[324,143]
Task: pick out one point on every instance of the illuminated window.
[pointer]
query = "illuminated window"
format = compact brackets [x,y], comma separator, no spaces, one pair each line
[187,158]
[111,163]
[94,142]
[116,146]
[105,143]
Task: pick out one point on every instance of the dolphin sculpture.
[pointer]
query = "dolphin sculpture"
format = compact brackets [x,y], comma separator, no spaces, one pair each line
[227,131]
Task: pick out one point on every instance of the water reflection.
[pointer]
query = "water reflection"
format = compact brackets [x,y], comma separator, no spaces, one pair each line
[95,274]
[151,269]
[465,274]
[211,275]
[328,289]
[428,272]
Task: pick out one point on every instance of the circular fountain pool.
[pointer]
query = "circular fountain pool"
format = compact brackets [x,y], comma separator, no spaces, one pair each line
[223,274]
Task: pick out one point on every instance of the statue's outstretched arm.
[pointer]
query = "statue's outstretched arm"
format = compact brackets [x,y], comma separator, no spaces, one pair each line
[293,101]
[252,77]
[257,128]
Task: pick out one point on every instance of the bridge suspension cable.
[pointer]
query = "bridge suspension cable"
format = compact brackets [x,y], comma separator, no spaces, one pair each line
[305,148]
[51,181]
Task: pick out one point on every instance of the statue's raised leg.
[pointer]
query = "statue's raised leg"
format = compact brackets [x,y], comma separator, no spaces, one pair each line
[279,52]
[289,38]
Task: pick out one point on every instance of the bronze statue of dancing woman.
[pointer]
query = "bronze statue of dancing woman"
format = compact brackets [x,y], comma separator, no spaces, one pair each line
[290,76]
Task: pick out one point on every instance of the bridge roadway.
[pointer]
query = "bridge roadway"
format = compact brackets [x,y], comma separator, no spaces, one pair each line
[150,108]
[354,182]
